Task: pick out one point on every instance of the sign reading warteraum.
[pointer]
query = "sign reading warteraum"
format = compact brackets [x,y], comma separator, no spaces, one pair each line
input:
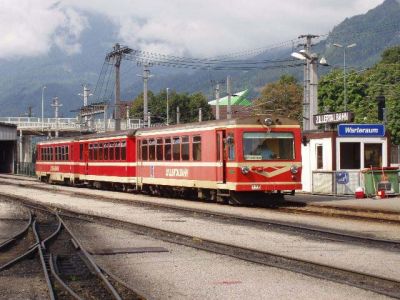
[330,118]
[361,130]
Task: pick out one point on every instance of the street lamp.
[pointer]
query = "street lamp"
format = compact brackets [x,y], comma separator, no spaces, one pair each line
[344,69]
[167,108]
[43,107]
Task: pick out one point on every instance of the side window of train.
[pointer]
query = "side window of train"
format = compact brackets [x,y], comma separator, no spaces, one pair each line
[80,151]
[111,151]
[185,148]
[159,149]
[123,150]
[144,149]
[231,146]
[105,151]
[52,153]
[90,151]
[176,148]
[100,151]
[96,151]
[152,149]
[196,148]
[167,148]
[67,153]
[117,150]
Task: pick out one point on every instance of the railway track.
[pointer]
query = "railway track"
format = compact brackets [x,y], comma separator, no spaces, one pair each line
[378,284]
[69,270]
[284,207]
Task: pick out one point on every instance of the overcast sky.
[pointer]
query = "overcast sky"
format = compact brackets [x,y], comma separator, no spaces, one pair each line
[201,28]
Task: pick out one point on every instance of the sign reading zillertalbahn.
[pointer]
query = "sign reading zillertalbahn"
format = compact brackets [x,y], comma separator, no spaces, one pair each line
[331,118]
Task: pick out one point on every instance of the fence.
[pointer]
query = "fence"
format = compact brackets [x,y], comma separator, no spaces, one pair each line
[326,182]
[24,169]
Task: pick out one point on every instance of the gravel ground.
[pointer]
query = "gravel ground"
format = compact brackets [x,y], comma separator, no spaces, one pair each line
[372,261]
[186,273]
[10,220]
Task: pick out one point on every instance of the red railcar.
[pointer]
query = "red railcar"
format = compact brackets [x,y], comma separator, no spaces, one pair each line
[225,160]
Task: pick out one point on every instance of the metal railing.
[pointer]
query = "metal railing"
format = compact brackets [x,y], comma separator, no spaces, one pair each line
[25,169]
[325,182]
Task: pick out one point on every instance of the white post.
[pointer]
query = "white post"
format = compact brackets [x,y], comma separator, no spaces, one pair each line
[43,107]
[167,108]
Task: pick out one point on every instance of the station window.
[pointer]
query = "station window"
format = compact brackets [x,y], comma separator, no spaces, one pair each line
[372,155]
[152,149]
[159,149]
[123,150]
[167,148]
[350,156]
[176,148]
[144,150]
[320,158]
[117,151]
[196,149]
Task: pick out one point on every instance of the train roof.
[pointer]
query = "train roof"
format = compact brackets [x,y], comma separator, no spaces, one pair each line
[270,120]
[274,120]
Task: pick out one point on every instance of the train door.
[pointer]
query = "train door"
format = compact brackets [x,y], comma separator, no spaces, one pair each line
[220,169]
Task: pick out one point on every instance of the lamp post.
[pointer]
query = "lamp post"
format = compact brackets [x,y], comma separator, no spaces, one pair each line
[344,70]
[167,108]
[43,107]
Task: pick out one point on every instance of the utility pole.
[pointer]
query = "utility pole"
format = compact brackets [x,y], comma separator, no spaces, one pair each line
[167,108]
[178,115]
[86,94]
[310,97]
[146,76]
[228,91]
[217,103]
[56,105]
[116,55]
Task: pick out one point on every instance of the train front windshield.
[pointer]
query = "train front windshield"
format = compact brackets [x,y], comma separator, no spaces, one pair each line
[268,146]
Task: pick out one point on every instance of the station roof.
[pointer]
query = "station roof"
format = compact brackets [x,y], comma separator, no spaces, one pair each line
[236,99]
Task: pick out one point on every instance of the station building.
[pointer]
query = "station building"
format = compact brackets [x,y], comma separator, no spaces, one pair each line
[336,159]
[8,147]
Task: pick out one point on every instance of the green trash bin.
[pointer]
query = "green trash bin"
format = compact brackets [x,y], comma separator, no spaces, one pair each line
[376,179]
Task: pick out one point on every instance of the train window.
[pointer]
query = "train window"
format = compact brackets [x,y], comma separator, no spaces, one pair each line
[111,151]
[67,153]
[52,154]
[62,156]
[101,151]
[176,148]
[268,145]
[152,149]
[44,154]
[231,147]
[196,148]
[80,151]
[159,149]
[139,147]
[90,151]
[144,149]
[167,148]
[123,150]
[57,153]
[105,151]
[95,151]
[117,151]
[185,148]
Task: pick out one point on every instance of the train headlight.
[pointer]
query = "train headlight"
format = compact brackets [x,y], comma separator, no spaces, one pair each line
[294,169]
[245,170]
[268,121]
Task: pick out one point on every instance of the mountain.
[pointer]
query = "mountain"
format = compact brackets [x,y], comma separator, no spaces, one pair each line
[21,80]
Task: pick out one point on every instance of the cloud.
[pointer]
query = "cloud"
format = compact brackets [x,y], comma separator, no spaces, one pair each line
[180,27]
[32,27]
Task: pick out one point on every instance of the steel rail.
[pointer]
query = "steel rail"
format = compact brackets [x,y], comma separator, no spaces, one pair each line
[42,260]
[91,260]
[369,282]
[18,234]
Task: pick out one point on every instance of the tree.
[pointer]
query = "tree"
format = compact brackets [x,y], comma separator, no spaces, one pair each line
[157,105]
[284,96]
